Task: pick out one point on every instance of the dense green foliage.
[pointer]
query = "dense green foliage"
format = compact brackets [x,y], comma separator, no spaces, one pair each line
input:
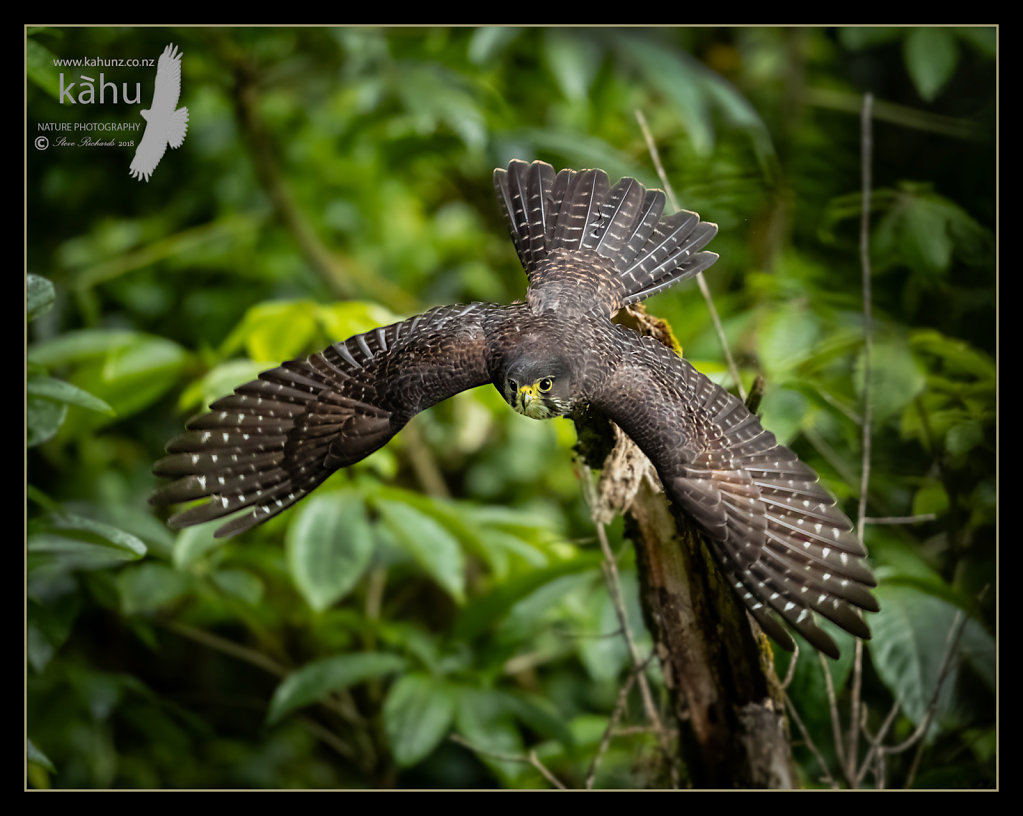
[439,609]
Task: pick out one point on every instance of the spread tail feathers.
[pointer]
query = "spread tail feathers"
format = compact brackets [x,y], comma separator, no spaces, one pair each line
[581,212]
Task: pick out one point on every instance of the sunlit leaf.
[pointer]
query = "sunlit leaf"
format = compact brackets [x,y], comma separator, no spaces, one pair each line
[433,546]
[274,330]
[346,318]
[50,388]
[124,369]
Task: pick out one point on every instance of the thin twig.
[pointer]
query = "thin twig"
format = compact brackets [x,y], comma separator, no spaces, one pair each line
[836,720]
[528,759]
[808,740]
[954,636]
[704,289]
[919,518]
[220,644]
[605,739]
[854,712]
[791,671]
[917,737]
[610,567]
[866,146]
[876,741]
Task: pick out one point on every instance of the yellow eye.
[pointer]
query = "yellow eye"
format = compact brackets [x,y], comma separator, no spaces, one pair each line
[545,384]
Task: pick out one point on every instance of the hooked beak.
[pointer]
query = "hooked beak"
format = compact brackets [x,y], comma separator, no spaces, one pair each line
[526,395]
[529,402]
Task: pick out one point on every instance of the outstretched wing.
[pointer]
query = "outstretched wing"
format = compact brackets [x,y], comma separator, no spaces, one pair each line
[167,88]
[610,246]
[787,549]
[267,445]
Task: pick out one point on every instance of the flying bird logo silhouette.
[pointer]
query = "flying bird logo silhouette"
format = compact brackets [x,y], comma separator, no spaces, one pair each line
[164,125]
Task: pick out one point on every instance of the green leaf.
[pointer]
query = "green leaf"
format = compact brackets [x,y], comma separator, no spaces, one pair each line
[540,714]
[274,330]
[220,380]
[484,611]
[899,561]
[417,715]
[910,640]
[856,38]
[931,497]
[50,624]
[695,92]
[77,542]
[962,437]
[37,757]
[136,374]
[39,296]
[931,56]
[789,336]
[43,418]
[77,346]
[485,719]
[149,586]
[925,231]
[680,80]
[126,370]
[603,655]
[193,543]
[784,411]
[435,96]
[43,387]
[487,42]
[346,318]
[241,584]
[896,377]
[433,546]
[315,680]
[329,545]
[957,357]
[574,58]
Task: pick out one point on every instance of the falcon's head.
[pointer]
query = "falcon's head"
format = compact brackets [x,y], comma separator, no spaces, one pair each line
[539,388]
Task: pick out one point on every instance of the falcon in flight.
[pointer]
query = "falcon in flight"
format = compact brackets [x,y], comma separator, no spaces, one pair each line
[588,250]
[164,125]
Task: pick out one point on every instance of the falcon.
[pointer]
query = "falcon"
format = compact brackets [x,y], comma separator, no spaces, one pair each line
[588,250]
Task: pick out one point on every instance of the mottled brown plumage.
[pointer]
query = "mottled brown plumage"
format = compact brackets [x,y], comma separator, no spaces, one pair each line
[588,249]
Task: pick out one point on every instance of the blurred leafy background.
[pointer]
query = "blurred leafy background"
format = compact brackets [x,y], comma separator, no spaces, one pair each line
[438,611]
